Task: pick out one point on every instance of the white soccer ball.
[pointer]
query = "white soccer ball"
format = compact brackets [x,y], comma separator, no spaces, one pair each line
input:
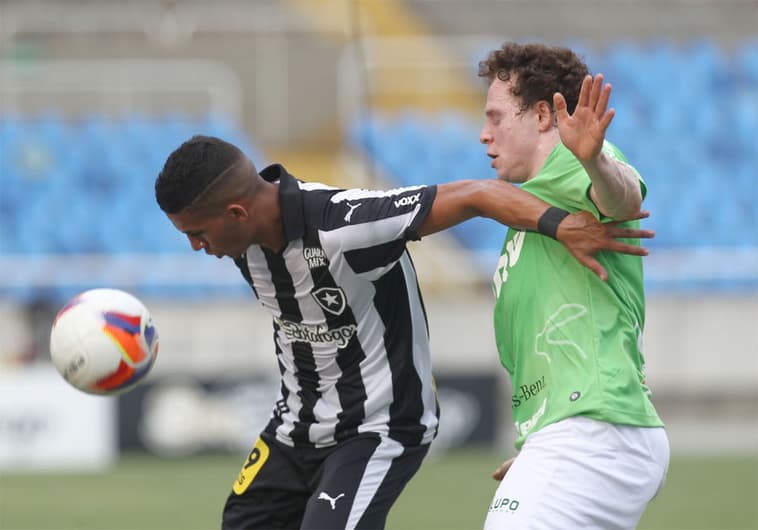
[103,341]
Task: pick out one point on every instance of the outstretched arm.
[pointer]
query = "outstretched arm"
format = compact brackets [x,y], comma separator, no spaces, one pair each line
[615,186]
[580,233]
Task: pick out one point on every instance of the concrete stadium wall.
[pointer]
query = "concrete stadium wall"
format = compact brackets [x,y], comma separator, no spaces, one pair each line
[595,21]
[701,352]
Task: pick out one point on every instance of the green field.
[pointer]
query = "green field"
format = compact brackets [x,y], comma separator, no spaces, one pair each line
[448,493]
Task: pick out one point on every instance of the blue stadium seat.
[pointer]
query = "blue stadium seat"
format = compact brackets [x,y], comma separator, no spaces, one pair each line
[746,63]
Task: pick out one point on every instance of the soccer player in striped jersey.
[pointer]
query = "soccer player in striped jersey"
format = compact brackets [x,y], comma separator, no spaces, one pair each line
[357,407]
[593,451]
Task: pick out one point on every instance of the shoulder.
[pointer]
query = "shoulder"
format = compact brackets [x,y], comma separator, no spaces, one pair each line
[318,203]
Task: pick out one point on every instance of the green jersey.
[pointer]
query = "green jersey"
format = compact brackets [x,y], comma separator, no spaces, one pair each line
[570,342]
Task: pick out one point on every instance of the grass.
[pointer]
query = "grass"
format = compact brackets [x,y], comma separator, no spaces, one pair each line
[453,492]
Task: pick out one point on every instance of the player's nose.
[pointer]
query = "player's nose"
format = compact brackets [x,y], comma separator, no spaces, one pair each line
[195,243]
[484,136]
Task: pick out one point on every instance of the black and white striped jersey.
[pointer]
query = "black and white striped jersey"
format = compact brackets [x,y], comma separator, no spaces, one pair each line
[350,329]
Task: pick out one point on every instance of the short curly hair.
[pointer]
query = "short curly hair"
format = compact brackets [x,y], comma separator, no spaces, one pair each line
[191,169]
[538,71]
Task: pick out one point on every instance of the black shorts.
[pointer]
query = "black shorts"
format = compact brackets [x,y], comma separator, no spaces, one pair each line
[351,485]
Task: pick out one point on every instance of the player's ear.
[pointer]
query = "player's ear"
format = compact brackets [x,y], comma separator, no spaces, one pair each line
[545,116]
[237,212]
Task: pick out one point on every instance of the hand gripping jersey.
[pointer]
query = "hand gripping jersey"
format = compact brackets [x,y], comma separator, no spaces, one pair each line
[570,342]
[350,330]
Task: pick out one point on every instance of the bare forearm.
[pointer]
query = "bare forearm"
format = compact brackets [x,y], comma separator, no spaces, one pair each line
[615,187]
[510,205]
[498,200]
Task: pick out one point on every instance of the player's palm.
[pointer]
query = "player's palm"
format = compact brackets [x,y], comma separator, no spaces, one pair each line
[583,132]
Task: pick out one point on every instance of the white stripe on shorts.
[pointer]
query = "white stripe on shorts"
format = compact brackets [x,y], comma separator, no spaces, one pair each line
[376,469]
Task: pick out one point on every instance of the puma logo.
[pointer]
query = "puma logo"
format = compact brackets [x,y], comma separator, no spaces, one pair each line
[324,496]
[349,214]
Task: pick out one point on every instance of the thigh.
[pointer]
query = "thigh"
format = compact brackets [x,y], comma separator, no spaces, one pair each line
[585,474]
[360,481]
[269,492]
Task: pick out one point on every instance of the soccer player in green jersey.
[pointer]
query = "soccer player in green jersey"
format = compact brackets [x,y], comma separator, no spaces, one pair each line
[592,449]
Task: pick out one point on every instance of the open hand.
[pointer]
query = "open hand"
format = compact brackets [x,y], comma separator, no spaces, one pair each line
[584,236]
[583,132]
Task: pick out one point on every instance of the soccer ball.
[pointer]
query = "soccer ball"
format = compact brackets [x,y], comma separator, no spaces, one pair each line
[103,341]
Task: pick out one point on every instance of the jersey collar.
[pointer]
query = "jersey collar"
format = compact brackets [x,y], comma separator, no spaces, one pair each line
[290,200]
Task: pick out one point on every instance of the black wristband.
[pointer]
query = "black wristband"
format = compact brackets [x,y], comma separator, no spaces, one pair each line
[549,221]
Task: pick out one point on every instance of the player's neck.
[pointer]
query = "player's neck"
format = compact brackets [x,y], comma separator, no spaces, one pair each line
[545,145]
[268,204]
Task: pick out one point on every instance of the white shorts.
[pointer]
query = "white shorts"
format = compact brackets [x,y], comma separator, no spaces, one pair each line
[581,473]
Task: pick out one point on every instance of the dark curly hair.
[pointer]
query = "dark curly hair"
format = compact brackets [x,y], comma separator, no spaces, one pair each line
[538,71]
[191,169]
